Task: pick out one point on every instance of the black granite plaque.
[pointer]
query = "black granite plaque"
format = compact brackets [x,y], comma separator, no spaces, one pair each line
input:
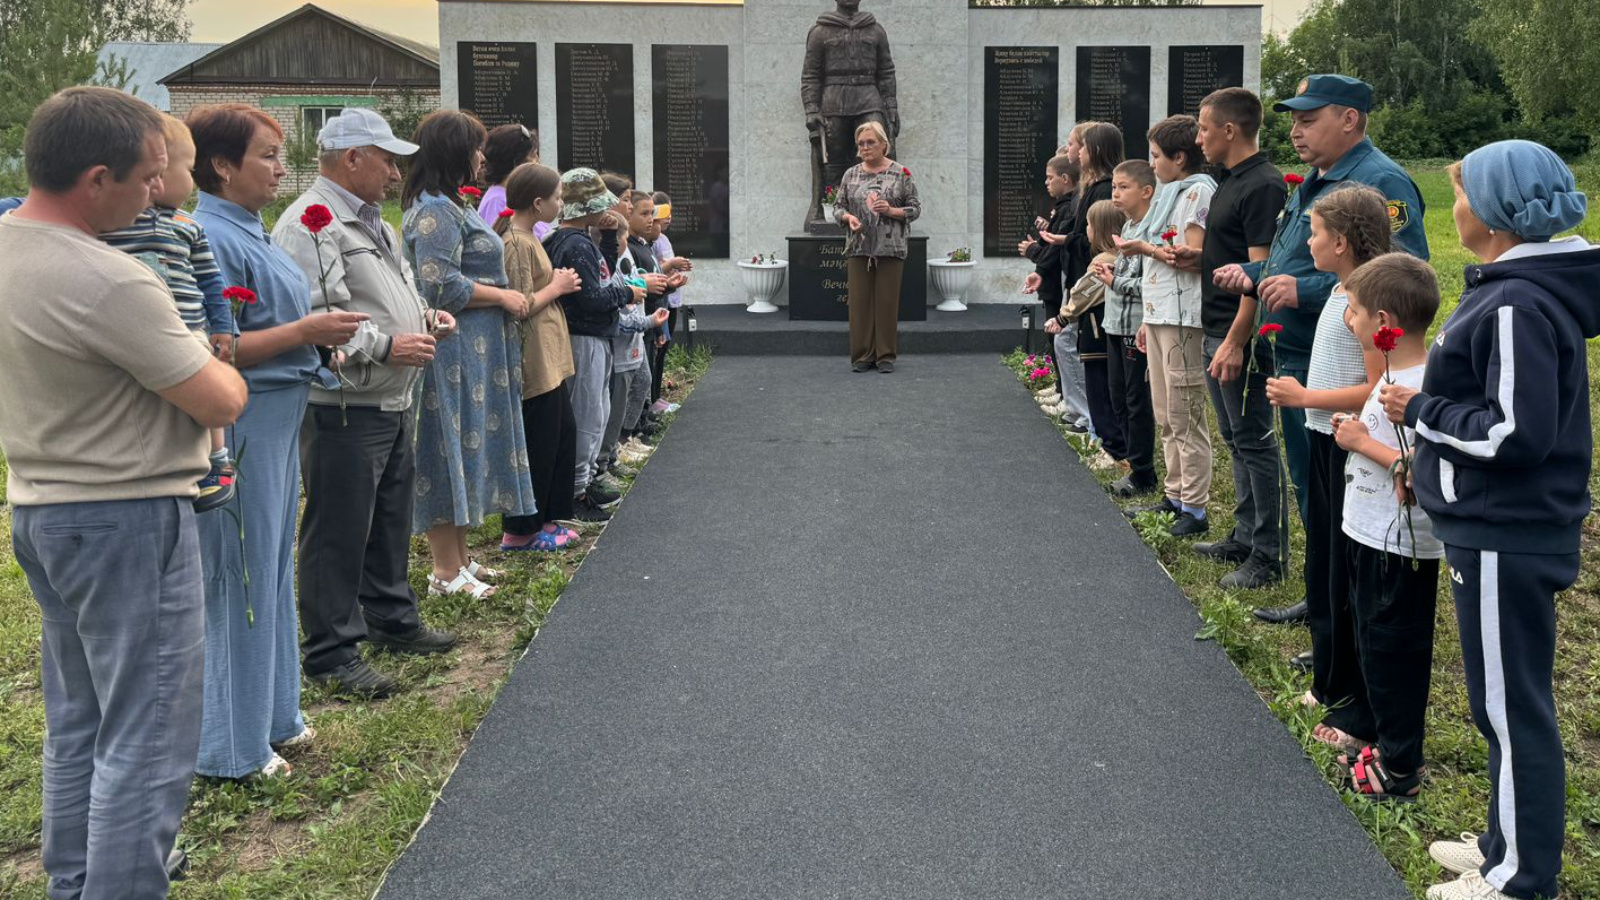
[1021,87]
[594,107]
[690,90]
[1114,86]
[819,284]
[499,82]
[1194,72]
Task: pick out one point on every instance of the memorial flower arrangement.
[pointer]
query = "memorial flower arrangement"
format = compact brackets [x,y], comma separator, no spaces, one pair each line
[830,195]
[316,218]
[1036,372]
[960,255]
[764,259]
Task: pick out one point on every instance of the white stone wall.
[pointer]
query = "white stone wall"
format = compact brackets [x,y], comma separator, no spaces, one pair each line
[938,52]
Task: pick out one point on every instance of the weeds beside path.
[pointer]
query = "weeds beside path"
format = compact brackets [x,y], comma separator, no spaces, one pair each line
[361,790]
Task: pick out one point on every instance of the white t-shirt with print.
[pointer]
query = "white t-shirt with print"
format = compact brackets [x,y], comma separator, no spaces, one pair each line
[1372,513]
[1172,296]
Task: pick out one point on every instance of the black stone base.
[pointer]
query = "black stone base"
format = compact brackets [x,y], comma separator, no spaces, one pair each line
[817,281]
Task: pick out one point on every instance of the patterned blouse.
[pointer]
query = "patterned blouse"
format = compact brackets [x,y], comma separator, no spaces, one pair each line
[879,235]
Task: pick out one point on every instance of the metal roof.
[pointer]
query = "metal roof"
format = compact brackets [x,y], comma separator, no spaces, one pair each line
[150,62]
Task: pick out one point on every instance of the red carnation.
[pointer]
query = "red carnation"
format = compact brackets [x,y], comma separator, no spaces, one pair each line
[1169,234]
[905,171]
[1290,178]
[506,214]
[239,295]
[316,218]
[471,193]
[1387,338]
[1270,329]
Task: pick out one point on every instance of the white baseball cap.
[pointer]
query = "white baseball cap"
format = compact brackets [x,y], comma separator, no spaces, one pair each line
[361,127]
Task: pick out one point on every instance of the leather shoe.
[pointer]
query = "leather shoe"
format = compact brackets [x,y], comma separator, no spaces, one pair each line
[1301,662]
[420,641]
[1189,526]
[357,678]
[1282,615]
[1225,550]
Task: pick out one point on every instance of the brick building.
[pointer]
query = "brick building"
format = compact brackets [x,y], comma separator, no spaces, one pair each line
[307,66]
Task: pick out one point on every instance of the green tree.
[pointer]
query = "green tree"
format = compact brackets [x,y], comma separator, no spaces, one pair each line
[1549,52]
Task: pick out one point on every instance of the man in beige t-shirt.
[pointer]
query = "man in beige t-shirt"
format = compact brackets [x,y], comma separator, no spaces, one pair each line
[103,411]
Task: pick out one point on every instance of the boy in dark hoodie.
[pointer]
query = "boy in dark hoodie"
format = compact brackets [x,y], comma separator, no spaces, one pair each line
[1502,468]
[1060,180]
[592,314]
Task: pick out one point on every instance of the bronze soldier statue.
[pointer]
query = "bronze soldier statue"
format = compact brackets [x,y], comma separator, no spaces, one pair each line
[848,79]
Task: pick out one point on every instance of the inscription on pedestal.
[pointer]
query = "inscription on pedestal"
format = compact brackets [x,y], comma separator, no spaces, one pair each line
[499,82]
[594,107]
[1194,72]
[1114,86]
[1020,92]
[819,282]
[691,144]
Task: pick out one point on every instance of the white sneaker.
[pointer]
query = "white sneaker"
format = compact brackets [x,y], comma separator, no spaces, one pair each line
[276,767]
[1460,856]
[1470,886]
[306,736]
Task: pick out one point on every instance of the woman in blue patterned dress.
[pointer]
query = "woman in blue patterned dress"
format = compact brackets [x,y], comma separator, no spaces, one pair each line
[471,459]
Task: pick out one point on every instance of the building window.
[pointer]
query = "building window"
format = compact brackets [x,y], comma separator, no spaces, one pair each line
[312,118]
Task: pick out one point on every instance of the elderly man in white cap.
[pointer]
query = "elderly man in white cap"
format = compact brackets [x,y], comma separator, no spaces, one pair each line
[356,447]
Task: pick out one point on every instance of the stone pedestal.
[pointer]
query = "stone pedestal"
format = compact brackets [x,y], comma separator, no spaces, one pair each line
[818,283]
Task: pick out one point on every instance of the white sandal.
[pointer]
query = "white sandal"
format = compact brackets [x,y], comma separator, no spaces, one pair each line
[482,574]
[276,767]
[463,583]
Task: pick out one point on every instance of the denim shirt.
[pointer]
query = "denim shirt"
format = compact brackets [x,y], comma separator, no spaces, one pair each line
[248,258]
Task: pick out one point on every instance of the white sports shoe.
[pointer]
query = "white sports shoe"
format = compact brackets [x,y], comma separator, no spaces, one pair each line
[276,767]
[1470,886]
[306,736]
[1460,856]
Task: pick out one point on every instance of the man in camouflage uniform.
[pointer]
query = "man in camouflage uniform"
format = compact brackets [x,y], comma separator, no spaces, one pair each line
[848,79]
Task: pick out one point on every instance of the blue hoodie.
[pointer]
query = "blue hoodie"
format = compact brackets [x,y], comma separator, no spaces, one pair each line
[1504,445]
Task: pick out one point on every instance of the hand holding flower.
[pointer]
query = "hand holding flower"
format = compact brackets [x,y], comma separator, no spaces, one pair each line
[1348,431]
[1232,279]
[1395,398]
[1286,391]
[1052,326]
[222,346]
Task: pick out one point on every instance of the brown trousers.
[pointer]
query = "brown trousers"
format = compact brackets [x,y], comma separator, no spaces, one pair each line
[874,307]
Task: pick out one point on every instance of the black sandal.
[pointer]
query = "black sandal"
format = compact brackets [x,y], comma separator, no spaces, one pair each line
[1389,788]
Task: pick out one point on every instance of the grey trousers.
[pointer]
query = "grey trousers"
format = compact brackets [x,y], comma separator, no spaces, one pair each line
[1245,421]
[639,387]
[619,406]
[355,533]
[119,588]
[591,403]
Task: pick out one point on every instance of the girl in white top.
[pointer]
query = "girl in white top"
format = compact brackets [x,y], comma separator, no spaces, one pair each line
[1349,227]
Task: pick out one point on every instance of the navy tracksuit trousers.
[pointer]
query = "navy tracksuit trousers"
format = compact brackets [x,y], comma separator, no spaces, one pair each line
[1505,605]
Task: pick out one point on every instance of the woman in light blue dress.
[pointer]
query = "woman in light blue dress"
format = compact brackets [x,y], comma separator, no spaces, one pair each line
[252,681]
[471,459]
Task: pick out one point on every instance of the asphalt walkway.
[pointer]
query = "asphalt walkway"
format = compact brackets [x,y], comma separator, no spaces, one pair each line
[864,636]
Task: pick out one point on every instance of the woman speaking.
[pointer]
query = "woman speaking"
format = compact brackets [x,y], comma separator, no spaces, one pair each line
[877,201]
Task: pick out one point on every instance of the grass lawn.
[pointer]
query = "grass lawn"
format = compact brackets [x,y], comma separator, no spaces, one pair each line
[360,791]
[1454,800]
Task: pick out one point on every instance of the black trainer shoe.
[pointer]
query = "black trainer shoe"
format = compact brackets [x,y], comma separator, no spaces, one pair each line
[357,678]
[602,495]
[1225,550]
[586,510]
[1165,506]
[1282,615]
[1127,487]
[423,641]
[1189,526]
[177,865]
[1301,662]
[885,366]
[1256,572]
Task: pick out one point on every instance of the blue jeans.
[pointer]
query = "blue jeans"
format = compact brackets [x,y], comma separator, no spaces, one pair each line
[119,588]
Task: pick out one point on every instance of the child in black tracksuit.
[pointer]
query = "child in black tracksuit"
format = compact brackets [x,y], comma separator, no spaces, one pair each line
[1502,468]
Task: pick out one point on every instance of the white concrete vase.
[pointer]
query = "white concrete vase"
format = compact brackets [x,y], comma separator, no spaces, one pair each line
[761,283]
[952,280]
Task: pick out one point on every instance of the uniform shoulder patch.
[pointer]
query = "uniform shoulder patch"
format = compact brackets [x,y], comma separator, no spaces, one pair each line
[1399,214]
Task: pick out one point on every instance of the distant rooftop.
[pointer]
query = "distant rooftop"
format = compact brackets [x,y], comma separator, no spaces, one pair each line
[148,62]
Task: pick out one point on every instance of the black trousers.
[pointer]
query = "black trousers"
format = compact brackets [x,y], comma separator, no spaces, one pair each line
[1394,608]
[1110,429]
[1127,370]
[355,533]
[659,363]
[1505,606]
[552,436]
[1335,669]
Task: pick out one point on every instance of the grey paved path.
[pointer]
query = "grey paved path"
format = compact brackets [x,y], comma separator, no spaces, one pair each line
[819,654]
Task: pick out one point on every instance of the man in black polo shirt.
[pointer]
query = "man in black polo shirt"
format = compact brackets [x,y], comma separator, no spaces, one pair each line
[1244,212]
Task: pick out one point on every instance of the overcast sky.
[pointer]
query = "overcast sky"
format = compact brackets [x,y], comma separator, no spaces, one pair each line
[220,21]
